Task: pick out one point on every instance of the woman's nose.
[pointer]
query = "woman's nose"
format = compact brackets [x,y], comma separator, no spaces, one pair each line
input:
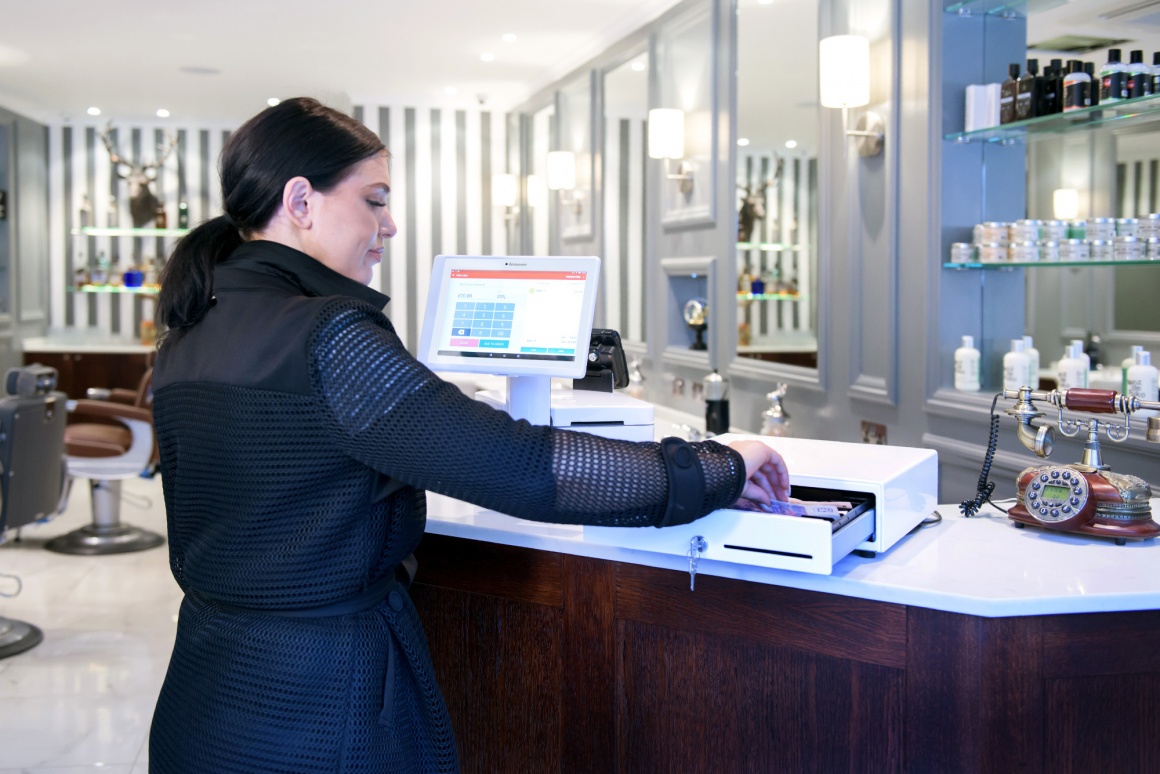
[388,228]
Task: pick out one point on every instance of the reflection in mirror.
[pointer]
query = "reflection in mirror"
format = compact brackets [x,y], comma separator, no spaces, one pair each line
[625,162]
[777,181]
[537,182]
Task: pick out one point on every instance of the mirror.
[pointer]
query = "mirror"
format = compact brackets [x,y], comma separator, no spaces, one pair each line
[1115,172]
[777,181]
[537,182]
[625,163]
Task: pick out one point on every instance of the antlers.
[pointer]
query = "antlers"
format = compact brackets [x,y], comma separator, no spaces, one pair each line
[138,170]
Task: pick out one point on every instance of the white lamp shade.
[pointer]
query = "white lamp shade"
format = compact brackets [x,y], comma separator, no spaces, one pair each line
[666,133]
[537,191]
[504,190]
[844,71]
[561,170]
[1065,203]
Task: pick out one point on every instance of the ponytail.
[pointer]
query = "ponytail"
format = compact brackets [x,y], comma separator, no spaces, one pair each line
[187,279]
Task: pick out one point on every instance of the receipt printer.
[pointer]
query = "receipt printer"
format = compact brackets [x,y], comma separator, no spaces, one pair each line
[890,489]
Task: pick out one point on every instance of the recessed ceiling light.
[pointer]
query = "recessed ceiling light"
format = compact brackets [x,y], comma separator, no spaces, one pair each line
[162,113]
[638,66]
[742,141]
[451,91]
[94,111]
[487,57]
[273,101]
[791,144]
[509,37]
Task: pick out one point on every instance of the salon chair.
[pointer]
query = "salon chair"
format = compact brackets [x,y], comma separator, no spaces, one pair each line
[106,454]
[33,473]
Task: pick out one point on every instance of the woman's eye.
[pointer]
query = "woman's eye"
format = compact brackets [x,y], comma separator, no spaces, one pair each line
[374,203]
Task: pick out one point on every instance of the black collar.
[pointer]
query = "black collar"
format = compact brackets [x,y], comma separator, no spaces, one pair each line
[310,276]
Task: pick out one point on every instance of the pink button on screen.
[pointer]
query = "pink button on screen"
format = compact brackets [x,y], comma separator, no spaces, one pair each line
[465,342]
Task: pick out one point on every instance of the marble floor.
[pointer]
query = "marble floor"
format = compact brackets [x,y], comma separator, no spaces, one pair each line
[82,699]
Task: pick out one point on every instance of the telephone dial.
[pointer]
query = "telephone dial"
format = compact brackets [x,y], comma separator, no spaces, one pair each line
[1086,497]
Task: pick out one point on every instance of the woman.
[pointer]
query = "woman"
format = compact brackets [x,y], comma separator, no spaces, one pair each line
[297,438]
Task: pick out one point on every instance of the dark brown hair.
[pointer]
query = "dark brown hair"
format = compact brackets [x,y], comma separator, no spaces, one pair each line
[296,138]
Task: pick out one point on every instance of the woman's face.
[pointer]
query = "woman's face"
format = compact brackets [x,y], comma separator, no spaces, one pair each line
[350,221]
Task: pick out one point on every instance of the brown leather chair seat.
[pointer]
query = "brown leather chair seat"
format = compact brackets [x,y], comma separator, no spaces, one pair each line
[90,440]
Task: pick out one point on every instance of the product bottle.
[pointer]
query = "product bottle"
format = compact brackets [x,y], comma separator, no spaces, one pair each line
[1007,94]
[99,274]
[1125,364]
[1156,72]
[182,215]
[1091,348]
[775,420]
[1094,86]
[1139,75]
[967,377]
[1032,363]
[1084,358]
[1076,86]
[1030,86]
[716,404]
[161,218]
[1057,85]
[1143,381]
[757,285]
[112,216]
[1113,76]
[635,388]
[1071,372]
[1015,366]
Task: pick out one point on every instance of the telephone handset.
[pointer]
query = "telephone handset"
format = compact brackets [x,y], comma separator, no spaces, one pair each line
[1086,497]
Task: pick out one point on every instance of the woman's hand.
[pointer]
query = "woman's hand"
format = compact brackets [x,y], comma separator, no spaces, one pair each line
[768,478]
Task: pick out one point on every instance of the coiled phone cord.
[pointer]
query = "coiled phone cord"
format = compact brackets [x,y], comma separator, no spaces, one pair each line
[986,487]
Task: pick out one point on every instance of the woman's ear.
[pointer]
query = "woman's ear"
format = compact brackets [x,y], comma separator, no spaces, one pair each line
[296,201]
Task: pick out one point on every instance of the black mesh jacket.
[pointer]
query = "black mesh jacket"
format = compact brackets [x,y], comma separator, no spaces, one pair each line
[297,437]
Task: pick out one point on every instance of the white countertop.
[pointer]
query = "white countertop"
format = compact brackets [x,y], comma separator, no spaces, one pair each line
[87,343]
[981,566]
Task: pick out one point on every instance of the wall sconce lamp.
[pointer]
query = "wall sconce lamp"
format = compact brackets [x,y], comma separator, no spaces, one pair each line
[562,178]
[1065,203]
[505,192]
[844,75]
[666,140]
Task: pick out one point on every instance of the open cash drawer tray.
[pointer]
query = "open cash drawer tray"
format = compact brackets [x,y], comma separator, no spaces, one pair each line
[803,543]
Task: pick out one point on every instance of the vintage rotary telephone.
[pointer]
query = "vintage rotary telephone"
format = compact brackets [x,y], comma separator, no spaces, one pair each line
[1087,497]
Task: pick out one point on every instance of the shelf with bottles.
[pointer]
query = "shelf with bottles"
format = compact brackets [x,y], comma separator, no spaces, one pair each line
[98,231]
[1010,265]
[140,290]
[784,296]
[771,247]
[1121,113]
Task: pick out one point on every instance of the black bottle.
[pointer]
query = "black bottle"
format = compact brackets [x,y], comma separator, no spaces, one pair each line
[1030,86]
[1076,86]
[1057,73]
[1050,101]
[1139,75]
[1094,86]
[1007,94]
[716,404]
[1156,73]
[1112,77]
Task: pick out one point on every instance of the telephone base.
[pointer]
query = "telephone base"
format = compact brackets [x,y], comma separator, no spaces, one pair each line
[1120,531]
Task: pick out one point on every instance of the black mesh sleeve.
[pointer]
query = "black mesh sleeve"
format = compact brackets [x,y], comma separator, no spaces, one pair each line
[393,414]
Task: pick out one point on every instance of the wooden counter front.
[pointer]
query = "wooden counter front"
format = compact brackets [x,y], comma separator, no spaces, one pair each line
[555,662]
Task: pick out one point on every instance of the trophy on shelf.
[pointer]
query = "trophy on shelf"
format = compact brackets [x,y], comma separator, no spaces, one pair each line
[696,316]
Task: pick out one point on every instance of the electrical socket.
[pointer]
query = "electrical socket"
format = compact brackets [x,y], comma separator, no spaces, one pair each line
[872,432]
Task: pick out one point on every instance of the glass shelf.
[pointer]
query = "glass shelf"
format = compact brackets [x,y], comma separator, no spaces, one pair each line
[129,232]
[145,290]
[1006,265]
[769,297]
[770,247]
[1123,113]
[1000,7]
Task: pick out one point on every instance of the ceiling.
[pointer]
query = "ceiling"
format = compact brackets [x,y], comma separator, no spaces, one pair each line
[131,57]
[1137,21]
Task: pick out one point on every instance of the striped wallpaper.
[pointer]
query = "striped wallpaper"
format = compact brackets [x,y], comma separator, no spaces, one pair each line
[1137,188]
[443,160]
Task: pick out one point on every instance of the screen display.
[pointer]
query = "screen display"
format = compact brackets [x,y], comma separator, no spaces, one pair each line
[516,315]
[1052,492]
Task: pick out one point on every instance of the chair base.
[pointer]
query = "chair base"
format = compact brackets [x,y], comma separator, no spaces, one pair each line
[95,540]
[17,637]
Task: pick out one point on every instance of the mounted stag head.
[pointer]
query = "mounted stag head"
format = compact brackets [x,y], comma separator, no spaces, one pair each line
[142,203]
[753,203]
